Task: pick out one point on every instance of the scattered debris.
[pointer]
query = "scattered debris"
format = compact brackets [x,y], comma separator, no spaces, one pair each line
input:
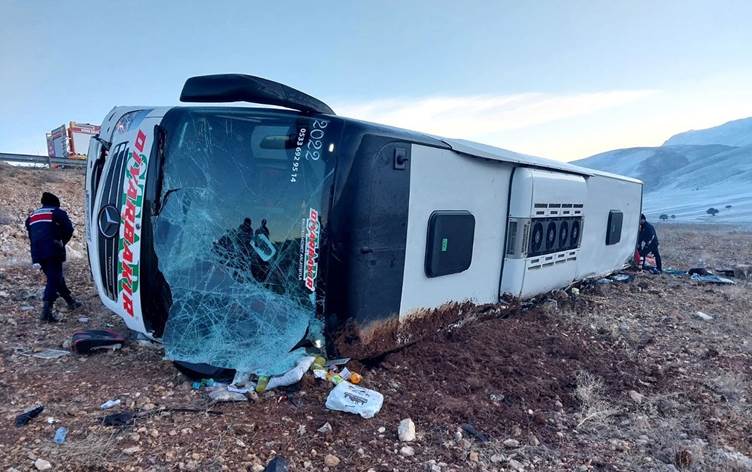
[149,344]
[662,368]
[293,375]
[241,378]
[406,430]
[41,464]
[326,428]
[243,390]
[353,399]
[336,362]
[24,418]
[496,397]
[712,279]
[51,354]
[223,395]
[198,385]
[109,404]
[90,340]
[60,435]
[473,431]
[119,419]
[622,278]
[703,316]
[278,464]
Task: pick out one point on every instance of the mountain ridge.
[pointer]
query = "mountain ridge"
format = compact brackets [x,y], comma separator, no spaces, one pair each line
[732,133]
[691,172]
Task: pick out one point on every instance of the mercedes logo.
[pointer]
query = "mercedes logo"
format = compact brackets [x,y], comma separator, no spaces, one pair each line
[109,221]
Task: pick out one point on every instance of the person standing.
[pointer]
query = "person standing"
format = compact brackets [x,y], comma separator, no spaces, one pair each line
[263,229]
[49,230]
[648,243]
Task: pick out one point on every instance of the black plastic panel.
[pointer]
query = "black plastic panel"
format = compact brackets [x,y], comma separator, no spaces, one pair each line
[367,234]
[449,246]
[240,87]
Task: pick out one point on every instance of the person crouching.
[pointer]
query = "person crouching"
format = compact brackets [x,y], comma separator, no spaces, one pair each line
[648,244]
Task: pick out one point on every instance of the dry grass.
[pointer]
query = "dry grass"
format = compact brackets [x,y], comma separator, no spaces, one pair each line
[91,451]
[595,412]
[732,386]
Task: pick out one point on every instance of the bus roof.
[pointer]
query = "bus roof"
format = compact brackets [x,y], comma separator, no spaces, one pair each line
[485,151]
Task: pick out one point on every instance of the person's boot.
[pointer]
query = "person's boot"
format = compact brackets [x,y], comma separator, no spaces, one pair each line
[47,315]
[72,302]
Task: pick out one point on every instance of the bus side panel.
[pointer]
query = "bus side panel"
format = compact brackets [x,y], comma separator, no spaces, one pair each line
[444,180]
[604,196]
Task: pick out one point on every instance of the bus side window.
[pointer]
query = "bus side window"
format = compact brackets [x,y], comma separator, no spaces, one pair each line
[613,231]
[449,245]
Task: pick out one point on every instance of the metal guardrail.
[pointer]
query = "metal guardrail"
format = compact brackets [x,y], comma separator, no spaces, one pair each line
[48,161]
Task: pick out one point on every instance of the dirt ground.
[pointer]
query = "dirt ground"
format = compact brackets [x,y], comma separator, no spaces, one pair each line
[616,377]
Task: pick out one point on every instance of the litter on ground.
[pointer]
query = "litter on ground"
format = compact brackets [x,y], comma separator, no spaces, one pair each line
[712,279]
[353,399]
[60,435]
[24,418]
[51,354]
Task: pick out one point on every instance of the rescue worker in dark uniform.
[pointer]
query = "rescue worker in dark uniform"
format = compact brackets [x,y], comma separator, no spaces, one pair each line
[647,243]
[49,230]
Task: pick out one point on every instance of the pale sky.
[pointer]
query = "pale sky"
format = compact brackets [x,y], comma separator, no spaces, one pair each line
[563,80]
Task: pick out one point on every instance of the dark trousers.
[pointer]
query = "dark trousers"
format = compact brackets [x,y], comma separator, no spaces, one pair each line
[55,281]
[652,249]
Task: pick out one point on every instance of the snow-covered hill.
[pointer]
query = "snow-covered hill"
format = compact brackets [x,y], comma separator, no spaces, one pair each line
[691,172]
[733,133]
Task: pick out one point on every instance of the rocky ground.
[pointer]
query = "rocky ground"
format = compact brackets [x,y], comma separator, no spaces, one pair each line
[624,376]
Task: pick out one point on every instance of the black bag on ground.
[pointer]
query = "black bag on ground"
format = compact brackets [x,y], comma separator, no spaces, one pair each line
[85,342]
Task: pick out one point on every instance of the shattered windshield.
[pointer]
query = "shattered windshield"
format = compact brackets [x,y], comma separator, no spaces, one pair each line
[236,232]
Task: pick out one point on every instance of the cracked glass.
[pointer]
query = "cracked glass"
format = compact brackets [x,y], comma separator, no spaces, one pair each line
[237,225]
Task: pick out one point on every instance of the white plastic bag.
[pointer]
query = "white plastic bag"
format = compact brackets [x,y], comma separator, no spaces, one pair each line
[353,399]
[293,375]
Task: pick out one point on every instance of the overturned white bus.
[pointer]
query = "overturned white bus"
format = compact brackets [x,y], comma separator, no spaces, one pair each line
[240,236]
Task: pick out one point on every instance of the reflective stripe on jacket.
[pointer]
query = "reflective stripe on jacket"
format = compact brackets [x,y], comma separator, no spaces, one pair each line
[49,230]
